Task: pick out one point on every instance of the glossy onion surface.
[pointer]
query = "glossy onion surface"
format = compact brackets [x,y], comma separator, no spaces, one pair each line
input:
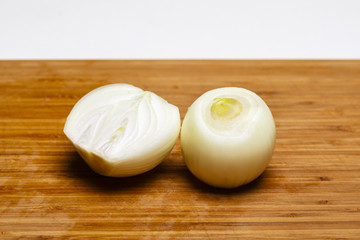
[121,130]
[228,137]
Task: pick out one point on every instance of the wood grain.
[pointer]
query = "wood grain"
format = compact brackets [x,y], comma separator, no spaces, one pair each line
[311,189]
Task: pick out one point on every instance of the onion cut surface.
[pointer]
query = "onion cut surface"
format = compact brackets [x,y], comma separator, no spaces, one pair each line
[121,130]
[228,137]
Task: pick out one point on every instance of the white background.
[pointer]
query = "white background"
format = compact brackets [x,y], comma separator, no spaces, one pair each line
[183,29]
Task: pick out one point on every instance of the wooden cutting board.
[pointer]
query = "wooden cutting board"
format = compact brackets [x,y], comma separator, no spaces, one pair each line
[311,189]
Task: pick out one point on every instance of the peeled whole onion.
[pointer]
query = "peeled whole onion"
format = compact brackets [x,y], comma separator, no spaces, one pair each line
[228,137]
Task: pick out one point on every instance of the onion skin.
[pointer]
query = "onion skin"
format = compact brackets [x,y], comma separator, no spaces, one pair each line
[121,130]
[228,153]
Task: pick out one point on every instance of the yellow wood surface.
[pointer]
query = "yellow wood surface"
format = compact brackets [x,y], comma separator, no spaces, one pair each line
[310,190]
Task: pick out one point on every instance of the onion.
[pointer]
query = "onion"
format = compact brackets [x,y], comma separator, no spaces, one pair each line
[228,137]
[121,130]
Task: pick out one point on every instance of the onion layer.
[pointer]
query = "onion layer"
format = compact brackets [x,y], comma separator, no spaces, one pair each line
[228,137]
[121,130]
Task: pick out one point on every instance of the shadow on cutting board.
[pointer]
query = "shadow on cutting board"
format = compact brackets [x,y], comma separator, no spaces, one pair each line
[77,168]
[203,187]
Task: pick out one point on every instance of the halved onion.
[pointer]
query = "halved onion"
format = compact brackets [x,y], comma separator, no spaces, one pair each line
[228,137]
[121,130]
